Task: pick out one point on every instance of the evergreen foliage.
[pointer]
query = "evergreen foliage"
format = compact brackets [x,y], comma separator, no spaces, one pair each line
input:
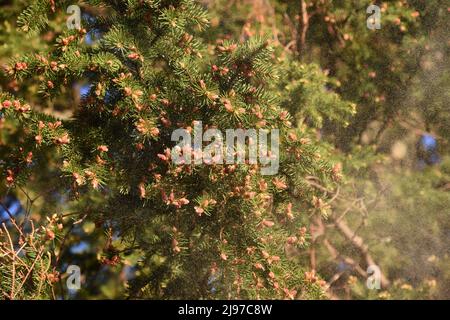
[86,121]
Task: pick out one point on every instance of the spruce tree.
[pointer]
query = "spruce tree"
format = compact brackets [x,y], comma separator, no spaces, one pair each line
[200,231]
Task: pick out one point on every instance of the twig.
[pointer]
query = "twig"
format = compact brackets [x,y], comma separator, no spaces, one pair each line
[303,27]
[38,256]
[358,242]
[349,234]
[13,262]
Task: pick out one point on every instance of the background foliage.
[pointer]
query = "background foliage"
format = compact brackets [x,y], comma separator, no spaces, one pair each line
[86,117]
